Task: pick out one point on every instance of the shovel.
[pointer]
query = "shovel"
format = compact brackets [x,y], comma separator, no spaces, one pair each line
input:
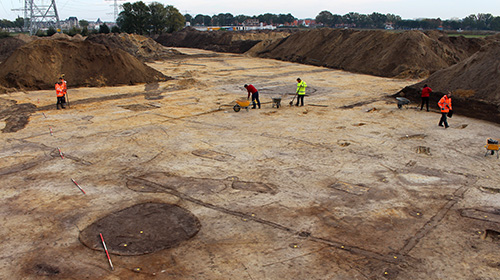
[297,93]
[291,102]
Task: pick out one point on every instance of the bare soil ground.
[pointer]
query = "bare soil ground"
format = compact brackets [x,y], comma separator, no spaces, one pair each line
[346,187]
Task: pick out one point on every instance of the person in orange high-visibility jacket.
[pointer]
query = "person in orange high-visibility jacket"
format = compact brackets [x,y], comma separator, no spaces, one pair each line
[445,106]
[60,92]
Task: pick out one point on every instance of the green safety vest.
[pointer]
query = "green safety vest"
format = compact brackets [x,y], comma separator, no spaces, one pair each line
[301,88]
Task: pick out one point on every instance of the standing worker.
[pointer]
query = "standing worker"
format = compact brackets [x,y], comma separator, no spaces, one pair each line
[66,97]
[301,91]
[255,95]
[445,106]
[60,94]
[425,97]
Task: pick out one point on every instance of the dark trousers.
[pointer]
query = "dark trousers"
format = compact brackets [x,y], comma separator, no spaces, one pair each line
[300,97]
[60,100]
[443,120]
[255,97]
[426,101]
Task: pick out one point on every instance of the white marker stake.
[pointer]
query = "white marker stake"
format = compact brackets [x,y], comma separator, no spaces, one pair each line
[78,186]
[60,153]
[107,254]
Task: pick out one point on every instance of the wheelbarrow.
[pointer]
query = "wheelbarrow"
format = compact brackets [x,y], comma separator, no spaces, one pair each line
[491,146]
[402,101]
[241,104]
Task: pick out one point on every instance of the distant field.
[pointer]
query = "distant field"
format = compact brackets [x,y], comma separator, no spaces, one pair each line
[469,35]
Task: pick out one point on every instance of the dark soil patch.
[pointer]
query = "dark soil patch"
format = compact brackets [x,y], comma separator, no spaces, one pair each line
[142,229]
[42,269]
[138,107]
[254,187]
[212,155]
[15,115]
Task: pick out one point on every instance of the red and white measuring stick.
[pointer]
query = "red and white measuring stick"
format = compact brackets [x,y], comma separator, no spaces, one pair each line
[107,254]
[51,133]
[60,153]
[78,186]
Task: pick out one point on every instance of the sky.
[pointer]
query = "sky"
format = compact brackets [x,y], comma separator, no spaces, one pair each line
[408,9]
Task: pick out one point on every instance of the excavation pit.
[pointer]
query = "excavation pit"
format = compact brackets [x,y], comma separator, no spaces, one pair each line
[142,229]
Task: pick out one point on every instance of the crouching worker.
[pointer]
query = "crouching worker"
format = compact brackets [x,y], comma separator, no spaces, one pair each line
[255,95]
[60,91]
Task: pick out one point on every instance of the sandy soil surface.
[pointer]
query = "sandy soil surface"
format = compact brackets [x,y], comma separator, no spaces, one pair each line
[346,187]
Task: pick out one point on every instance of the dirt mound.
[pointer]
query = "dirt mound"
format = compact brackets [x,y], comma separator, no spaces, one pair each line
[8,46]
[380,53]
[474,83]
[37,65]
[232,42]
[146,49]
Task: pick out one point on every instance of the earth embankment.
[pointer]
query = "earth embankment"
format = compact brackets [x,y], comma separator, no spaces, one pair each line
[473,82]
[387,54]
[38,64]
[231,42]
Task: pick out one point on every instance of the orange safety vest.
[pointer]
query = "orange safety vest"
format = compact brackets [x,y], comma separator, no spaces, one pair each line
[445,104]
[60,90]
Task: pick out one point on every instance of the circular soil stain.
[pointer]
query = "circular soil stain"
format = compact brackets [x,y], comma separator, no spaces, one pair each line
[142,229]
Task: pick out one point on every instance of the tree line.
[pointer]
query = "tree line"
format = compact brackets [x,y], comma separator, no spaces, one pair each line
[378,20]
[157,18]
[227,19]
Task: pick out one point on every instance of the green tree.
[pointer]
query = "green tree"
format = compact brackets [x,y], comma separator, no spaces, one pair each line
[240,19]
[51,31]
[155,18]
[19,23]
[104,28]
[198,20]
[115,29]
[158,18]
[484,21]
[495,24]
[470,22]
[188,17]
[134,18]
[73,31]
[85,31]
[325,17]
[378,20]
[175,20]
[83,23]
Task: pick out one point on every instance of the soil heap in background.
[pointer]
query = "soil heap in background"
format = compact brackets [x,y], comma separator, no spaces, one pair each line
[10,44]
[474,82]
[219,41]
[38,64]
[145,49]
[377,52]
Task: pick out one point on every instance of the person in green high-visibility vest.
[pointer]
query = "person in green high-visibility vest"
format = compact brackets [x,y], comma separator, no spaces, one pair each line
[301,92]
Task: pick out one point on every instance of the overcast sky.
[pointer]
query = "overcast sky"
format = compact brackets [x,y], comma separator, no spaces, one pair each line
[407,9]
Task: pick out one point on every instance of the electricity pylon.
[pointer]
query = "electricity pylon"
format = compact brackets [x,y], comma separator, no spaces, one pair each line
[37,15]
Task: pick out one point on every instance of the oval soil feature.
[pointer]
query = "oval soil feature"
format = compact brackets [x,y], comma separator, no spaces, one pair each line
[142,229]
